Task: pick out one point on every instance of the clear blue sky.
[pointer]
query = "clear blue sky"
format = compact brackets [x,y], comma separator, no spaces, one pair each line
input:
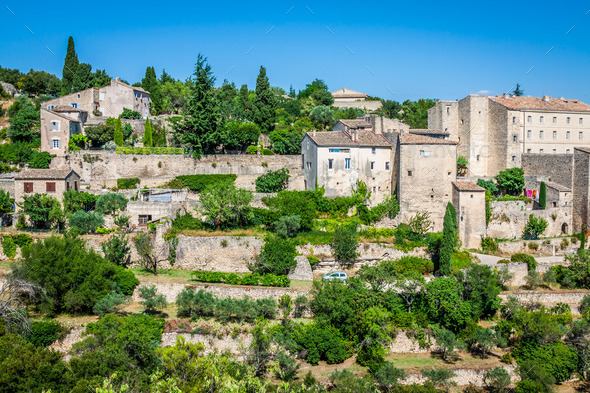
[442,49]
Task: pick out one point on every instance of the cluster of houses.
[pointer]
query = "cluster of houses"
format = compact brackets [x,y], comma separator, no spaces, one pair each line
[419,166]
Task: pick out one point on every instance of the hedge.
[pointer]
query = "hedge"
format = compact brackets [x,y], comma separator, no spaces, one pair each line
[267,280]
[149,150]
[127,182]
[201,182]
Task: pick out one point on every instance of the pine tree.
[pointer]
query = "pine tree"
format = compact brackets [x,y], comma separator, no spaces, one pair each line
[543,195]
[70,67]
[148,134]
[199,128]
[118,134]
[83,78]
[518,91]
[244,103]
[150,83]
[449,240]
[264,103]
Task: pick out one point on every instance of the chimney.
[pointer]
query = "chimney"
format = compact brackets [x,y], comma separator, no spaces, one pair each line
[355,135]
[314,132]
[506,96]
[546,98]
[118,79]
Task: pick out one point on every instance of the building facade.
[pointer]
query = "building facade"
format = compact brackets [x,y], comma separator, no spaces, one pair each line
[52,182]
[469,202]
[494,132]
[346,98]
[58,125]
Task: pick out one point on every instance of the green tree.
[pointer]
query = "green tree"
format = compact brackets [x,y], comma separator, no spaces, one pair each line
[277,257]
[151,84]
[518,91]
[111,203]
[85,222]
[442,303]
[147,135]
[149,258]
[389,376]
[543,195]
[152,300]
[264,104]
[497,380]
[70,66]
[117,250]
[344,244]
[273,181]
[224,204]
[83,77]
[286,140]
[198,128]
[449,240]
[322,116]
[118,133]
[374,330]
[535,227]
[446,341]
[288,226]
[511,181]
[101,78]
[24,121]
[239,135]
[37,207]
[440,377]
[5,202]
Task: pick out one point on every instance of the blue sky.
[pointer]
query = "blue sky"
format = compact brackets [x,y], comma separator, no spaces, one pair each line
[389,49]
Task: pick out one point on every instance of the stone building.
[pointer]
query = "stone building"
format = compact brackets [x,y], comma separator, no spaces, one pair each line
[427,168]
[581,189]
[52,182]
[384,125]
[349,125]
[58,125]
[107,101]
[346,98]
[469,201]
[494,132]
[338,160]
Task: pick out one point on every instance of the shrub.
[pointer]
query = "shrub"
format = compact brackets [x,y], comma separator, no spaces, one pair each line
[528,259]
[345,243]
[111,303]
[534,227]
[117,250]
[511,181]
[488,185]
[268,280]
[273,181]
[563,244]
[277,257]
[497,379]
[252,149]
[408,264]
[267,152]
[130,114]
[149,150]
[504,261]
[85,222]
[45,333]
[199,183]
[533,246]
[127,183]
[489,244]
[111,203]
[8,246]
[152,300]
[321,343]
[287,226]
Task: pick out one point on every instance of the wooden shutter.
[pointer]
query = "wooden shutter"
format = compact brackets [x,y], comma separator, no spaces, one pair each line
[50,186]
[28,187]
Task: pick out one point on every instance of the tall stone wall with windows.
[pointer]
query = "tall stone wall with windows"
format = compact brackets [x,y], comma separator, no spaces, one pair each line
[558,168]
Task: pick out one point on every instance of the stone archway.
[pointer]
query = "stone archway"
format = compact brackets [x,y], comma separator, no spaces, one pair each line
[564,228]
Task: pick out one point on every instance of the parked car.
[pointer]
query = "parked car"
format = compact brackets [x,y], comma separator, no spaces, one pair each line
[335,276]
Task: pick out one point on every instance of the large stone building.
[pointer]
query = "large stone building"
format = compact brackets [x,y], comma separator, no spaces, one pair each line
[494,132]
[58,125]
[469,201]
[346,98]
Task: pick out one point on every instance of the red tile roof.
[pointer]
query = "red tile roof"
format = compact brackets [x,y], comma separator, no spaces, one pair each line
[355,123]
[467,186]
[44,174]
[542,104]
[413,139]
[424,131]
[342,139]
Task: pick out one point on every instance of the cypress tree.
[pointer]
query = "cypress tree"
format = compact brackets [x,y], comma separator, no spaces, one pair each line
[83,78]
[70,66]
[543,195]
[118,135]
[264,103]
[199,128]
[150,83]
[449,240]
[147,134]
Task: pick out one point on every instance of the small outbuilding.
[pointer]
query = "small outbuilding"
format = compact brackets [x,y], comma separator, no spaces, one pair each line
[44,181]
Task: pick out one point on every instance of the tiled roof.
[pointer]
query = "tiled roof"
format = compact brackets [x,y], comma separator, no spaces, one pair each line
[342,139]
[43,174]
[118,80]
[467,186]
[347,93]
[62,115]
[66,108]
[412,139]
[557,187]
[355,123]
[424,131]
[541,104]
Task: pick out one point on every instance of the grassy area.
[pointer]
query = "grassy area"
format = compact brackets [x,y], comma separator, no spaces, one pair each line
[414,362]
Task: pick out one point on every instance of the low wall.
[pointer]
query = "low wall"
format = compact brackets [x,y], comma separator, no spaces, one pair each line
[548,299]
[545,246]
[465,376]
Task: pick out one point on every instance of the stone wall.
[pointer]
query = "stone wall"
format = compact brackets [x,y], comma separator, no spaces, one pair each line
[556,167]
[581,188]
[548,299]
[102,168]
[465,376]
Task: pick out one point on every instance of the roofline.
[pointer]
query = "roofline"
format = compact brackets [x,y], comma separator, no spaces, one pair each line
[44,178]
[62,116]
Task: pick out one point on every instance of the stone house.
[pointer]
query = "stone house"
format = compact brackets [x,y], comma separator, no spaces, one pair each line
[494,132]
[52,182]
[349,125]
[346,98]
[338,160]
[469,201]
[107,101]
[431,133]
[58,125]
[427,168]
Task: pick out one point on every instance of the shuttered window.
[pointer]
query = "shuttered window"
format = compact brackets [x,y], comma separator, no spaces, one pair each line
[28,187]
[50,186]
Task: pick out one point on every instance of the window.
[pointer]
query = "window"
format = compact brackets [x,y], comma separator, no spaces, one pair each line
[567,135]
[554,119]
[101,96]
[50,107]
[529,119]
[50,186]
[567,120]
[478,157]
[373,150]
[28,187]
[567,151]
[334,150]
[581,120]
[424,153]
[528,150]
[387,165]
[347,163]
[76,187]
[541,119]
[54,126]
[330,163]
[303,161]
[55,144]
[372,164]
[540,151]
[448,110]
[554,151]
[74,105]
[409,173]
[308,163]
[581,135]
[540,134]
[528,134]
[513,119]
[514,138]
[144,219]
[554,134]
[513,158]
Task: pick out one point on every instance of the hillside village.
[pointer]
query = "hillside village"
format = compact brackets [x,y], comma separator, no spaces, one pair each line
[312,240]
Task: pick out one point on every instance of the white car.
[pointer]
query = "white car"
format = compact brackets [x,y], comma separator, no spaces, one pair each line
[335,276]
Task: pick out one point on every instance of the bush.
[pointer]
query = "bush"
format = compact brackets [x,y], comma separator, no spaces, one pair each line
[45,333]
[497,379]
[489,244]
[290,203]
[149,150]
[111,303]
[344,245]
[511,181]
[8,246]
[152,300]
[111,203]
[85,222]
[267,152]
[273,181]
[408,264]
[125,280]
[117,250]
[277,257]
[130,114]
[534,227]
[287,226]
[199,183]
[321,343]
[252,149]
[267,280]
[488,185]
[533,246]
[127,183]
[528,259]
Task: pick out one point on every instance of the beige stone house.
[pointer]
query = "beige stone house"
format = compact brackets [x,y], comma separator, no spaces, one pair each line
[346,98]
[58,125]
[494,132]
[469,201]
[52,182]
